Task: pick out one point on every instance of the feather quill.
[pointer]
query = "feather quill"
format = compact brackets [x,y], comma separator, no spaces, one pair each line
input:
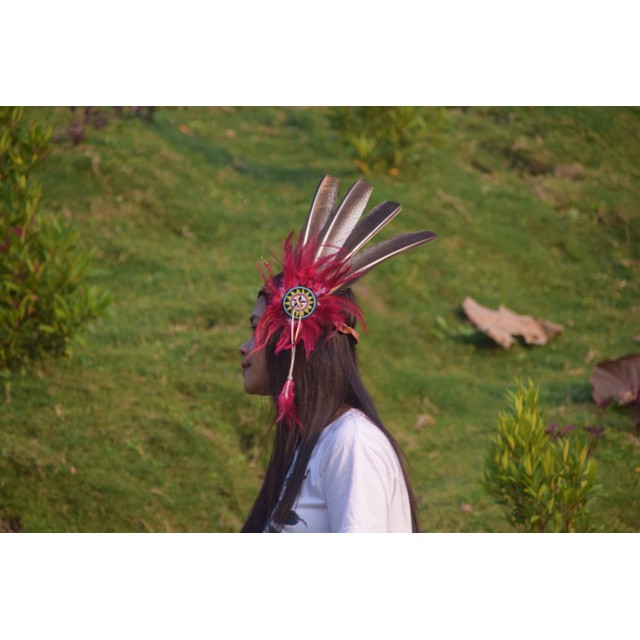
[320,210]
[341,223]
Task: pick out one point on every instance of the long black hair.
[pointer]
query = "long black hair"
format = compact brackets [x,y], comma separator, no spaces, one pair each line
[326,384]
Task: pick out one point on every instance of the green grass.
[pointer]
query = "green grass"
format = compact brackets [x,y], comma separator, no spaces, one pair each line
[146,426]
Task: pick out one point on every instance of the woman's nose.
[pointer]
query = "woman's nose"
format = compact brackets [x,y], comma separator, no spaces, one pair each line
[244,348]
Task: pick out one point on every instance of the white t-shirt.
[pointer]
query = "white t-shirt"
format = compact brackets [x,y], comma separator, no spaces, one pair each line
[353,483]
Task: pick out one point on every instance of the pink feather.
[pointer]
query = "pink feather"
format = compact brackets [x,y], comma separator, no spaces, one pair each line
[287,410]
[300,268]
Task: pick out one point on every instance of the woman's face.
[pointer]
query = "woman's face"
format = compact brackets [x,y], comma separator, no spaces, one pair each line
[254,364]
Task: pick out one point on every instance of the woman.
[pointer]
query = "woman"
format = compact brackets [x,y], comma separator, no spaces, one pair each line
[333,467]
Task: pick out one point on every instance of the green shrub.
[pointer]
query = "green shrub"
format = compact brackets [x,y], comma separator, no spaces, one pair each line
[545,482]
[44,296]
[386,138]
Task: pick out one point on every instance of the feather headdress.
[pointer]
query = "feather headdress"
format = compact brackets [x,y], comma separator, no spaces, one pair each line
[303,304]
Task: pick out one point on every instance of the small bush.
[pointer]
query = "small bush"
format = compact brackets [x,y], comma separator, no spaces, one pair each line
[44,296]
[544,481]
[387,138]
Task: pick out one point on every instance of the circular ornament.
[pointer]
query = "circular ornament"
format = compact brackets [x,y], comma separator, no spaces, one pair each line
[299,302]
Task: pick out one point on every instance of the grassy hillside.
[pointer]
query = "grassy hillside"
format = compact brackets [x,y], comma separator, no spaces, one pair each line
[146,426]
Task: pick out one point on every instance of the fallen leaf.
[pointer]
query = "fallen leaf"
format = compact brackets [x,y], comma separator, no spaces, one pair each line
[465,507]
[502,325]
[182,128]
[616,380]
[58,409]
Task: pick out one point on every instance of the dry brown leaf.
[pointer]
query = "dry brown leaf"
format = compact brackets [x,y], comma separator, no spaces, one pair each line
[502,325]
[616,380]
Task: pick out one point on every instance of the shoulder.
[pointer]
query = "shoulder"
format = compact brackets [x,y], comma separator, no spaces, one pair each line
[359,477]
[352,431]
[352,425]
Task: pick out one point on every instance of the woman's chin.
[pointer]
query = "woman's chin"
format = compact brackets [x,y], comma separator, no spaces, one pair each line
[251,388]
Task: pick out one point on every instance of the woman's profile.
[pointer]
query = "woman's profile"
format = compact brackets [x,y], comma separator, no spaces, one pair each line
[333,467]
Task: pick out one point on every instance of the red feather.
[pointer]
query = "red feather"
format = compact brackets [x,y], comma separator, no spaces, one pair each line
[287,410]
[300,268]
